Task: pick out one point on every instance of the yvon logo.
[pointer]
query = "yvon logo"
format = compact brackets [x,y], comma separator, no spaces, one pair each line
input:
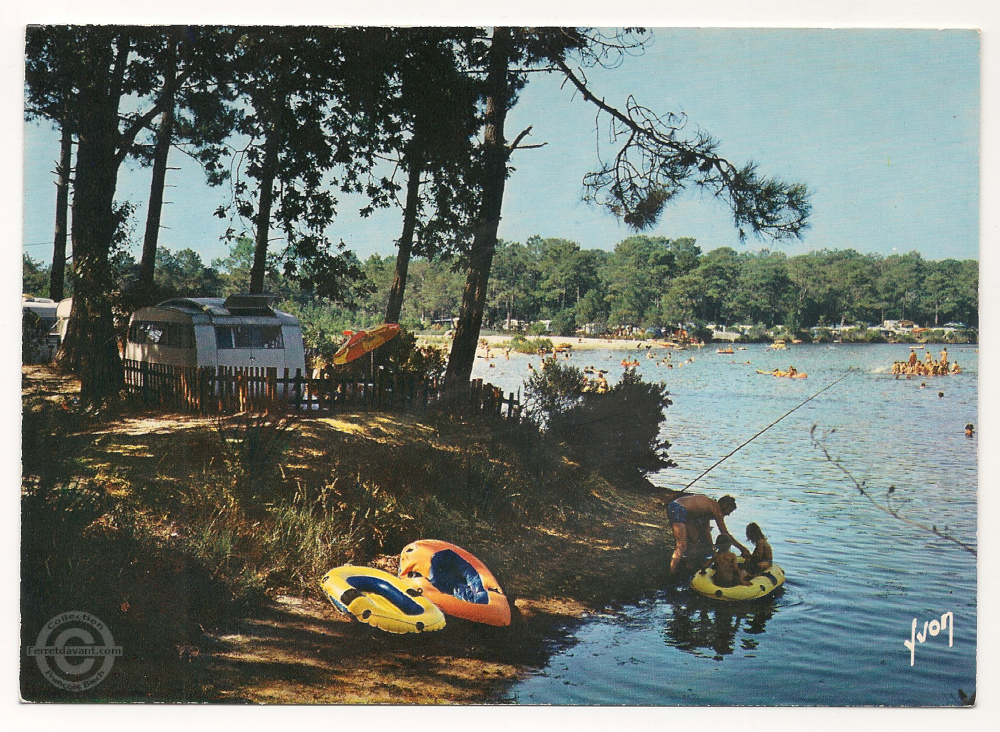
[932,627]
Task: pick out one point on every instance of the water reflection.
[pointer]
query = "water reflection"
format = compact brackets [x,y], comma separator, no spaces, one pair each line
[706,628]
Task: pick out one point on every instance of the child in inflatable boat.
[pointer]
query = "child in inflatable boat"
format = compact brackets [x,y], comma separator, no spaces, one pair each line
[728,572]
[761,559]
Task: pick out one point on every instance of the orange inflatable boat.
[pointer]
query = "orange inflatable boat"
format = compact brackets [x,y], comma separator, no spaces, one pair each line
[456,581]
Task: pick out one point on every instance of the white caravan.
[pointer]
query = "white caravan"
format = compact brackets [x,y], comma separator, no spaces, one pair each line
[241,331]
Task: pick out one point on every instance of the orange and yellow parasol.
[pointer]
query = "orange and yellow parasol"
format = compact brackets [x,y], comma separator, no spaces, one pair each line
[363,342]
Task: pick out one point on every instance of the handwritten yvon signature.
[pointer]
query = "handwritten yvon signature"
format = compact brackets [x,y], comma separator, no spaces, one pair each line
[931,627]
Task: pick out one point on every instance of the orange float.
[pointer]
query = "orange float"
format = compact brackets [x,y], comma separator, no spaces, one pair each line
[456,581]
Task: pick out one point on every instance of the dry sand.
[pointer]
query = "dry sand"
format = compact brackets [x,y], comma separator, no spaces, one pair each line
[576,343]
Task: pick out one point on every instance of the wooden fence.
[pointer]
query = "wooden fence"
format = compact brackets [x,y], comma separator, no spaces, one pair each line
[227,390]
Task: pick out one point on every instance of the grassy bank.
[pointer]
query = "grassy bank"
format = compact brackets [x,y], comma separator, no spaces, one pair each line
[200,542]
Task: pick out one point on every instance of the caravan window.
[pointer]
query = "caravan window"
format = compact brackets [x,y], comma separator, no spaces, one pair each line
[248,336]
[150,332]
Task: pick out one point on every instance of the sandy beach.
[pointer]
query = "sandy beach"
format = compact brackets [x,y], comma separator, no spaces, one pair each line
[574,342]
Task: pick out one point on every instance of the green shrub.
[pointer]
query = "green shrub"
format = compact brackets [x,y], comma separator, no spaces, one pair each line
[823,335]
[617,432]
[553,390]
[757,334]
[520,344]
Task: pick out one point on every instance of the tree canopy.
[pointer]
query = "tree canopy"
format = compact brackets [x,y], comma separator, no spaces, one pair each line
[296,116]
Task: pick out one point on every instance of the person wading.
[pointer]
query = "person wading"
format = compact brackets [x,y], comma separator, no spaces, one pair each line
[694,509]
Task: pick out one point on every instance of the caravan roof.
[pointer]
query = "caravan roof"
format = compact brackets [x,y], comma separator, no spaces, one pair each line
[232,306]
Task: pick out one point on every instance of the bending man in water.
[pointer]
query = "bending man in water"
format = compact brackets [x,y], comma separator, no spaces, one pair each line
[692,509]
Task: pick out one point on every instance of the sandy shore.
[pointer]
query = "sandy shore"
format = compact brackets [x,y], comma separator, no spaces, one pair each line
[576,343]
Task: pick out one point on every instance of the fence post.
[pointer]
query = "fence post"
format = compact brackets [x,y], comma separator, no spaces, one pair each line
[477,395]
[334,389]
[143,377]
[222,388]
[298,389]
[199,385]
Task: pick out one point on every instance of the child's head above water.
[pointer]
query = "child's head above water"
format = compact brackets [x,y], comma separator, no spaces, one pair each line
[754,533]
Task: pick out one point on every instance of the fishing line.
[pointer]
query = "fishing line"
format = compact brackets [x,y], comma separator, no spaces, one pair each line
[726,457]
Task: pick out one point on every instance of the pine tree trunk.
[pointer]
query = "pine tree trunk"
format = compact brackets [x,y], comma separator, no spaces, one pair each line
[398,289]
[58,273]
[470,317]
[90,348]
[144,286]
[263,223]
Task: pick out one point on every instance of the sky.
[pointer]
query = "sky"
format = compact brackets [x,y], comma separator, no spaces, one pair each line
[881,125]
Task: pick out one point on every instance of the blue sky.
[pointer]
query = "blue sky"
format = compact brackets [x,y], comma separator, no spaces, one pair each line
[882,125]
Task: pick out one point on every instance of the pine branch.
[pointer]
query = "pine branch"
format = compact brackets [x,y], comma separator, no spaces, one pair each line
[655,163]
[887,508]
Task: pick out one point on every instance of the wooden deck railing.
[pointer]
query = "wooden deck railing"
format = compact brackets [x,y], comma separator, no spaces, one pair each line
[226,390]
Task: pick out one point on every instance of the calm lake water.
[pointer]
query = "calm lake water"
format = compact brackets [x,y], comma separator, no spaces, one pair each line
[856,578]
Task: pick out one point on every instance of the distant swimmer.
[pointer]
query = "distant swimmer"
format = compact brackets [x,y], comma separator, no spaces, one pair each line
[970,430]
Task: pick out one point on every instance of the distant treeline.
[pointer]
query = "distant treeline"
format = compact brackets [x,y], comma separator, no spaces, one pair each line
[655,281]
[645,281]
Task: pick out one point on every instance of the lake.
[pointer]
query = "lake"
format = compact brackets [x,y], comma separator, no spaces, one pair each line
[856,577]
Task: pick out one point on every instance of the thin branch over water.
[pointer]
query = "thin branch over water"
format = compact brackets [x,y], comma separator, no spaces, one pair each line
[887,507]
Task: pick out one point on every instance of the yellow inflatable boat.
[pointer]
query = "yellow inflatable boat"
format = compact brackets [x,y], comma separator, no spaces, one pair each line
[393,604]
[759,586]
